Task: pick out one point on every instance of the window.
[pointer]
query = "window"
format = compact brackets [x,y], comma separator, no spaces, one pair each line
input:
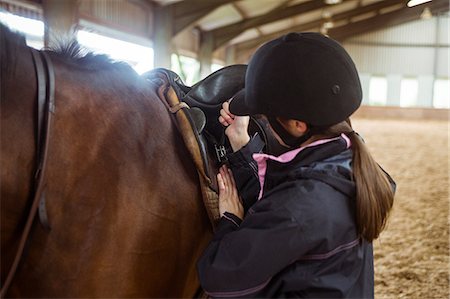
[33,30]
[377,91]
[441,98]
[139,57]
[187,67]
[408,92]
[215,67]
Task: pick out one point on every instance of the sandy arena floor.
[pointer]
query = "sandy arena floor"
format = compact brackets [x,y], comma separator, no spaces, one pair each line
[412,254]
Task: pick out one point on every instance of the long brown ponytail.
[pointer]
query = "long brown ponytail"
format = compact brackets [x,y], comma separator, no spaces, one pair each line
[374,192]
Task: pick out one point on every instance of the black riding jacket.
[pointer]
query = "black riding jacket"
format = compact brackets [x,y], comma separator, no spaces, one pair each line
[299,239]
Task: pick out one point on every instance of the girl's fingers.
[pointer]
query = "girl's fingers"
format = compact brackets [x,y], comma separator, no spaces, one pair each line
[232,183]
[225,176]
[226,107]
[220,183]
[223,121]
[228,194]
[226,116]
[223,169]
[226,182]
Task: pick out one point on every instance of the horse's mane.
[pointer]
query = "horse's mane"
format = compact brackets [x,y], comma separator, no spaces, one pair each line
[70,52]
[73,53]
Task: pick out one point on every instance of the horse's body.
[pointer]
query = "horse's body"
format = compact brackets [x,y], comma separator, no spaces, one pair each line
[122,195]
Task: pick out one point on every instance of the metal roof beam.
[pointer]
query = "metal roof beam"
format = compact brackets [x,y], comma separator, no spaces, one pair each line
[245,46]
[226,33]
[387,20]
[186,13]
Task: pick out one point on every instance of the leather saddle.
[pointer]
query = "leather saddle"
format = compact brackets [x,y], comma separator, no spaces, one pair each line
[205,100]
[208,95]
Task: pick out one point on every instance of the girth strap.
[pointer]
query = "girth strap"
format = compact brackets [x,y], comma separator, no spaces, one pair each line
[46,107]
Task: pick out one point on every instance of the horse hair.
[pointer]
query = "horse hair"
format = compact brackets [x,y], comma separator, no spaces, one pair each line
[71,52]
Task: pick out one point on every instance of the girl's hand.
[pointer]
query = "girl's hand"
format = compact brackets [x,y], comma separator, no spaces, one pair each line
[228,194]
[237,126]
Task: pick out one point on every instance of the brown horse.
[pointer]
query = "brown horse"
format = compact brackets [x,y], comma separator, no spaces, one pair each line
[122,196]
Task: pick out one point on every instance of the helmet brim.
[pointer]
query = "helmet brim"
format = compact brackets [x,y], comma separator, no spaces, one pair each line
[239,106]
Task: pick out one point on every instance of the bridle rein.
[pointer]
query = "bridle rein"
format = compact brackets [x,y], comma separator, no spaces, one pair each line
[45,77]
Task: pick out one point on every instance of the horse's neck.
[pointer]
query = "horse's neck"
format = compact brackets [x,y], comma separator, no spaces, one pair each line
[18,144]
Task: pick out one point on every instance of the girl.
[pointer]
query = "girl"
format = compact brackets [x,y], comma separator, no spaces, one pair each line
[299,223]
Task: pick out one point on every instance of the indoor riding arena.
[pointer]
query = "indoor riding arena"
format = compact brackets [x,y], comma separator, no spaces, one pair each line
[143,250]
[411,255]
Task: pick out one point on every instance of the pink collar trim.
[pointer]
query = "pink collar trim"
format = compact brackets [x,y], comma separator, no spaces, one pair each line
[261,159]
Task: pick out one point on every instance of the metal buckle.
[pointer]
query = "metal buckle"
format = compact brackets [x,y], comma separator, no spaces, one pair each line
[221,153]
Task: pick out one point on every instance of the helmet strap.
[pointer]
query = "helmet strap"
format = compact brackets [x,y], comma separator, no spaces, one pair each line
[287,137]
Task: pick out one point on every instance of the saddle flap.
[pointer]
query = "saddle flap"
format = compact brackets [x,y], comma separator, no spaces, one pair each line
[198,118]
[219,86]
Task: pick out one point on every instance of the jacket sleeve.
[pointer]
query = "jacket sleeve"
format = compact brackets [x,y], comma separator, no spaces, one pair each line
[245,171]
[242,261]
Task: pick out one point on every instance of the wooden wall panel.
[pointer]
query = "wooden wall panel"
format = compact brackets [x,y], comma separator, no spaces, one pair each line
[130,17]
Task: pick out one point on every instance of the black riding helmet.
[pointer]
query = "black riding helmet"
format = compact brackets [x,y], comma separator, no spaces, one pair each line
[303,76]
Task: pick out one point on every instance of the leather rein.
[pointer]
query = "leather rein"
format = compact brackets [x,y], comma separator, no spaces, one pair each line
[45,76]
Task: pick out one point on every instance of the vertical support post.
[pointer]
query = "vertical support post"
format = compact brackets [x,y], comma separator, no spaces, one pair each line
[436,55]
[162,37]
[61,18]
[230,55]
[205,53]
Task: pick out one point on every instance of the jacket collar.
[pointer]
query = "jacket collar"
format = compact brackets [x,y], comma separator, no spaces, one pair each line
[299,157]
